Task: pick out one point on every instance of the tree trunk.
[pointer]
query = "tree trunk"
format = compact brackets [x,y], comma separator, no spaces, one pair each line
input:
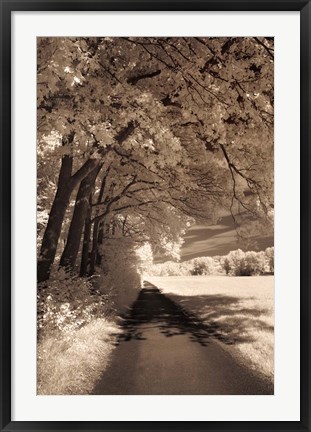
[100,242]
[70,253]
[94,248]
[96,229]
[86,241]
[56,217]
[65,187]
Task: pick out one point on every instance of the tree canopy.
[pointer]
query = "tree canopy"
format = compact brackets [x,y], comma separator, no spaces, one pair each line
[139,136]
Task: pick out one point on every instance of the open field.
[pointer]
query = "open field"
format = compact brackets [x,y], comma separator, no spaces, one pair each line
[239,309]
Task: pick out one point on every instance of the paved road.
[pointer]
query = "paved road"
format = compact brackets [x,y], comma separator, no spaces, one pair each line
[164,352]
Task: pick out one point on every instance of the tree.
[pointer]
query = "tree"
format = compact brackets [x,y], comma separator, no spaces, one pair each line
[226,265]
[237,262]
[254,263]
[202,266]
[173,118]
[269,255]
[69,256]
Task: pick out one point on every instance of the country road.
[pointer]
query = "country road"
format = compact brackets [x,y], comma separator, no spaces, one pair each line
[163,351]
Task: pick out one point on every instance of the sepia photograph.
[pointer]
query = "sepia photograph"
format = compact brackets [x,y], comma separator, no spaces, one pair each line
[155,215]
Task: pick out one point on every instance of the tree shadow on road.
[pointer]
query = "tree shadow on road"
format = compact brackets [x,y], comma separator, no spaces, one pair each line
[153,309]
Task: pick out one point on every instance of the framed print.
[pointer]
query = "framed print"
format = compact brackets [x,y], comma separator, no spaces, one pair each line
[155,215]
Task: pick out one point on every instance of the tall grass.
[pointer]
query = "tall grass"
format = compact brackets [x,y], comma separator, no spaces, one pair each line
[70,364]
[77,327]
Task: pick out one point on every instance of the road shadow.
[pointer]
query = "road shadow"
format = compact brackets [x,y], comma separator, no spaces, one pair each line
[153,309]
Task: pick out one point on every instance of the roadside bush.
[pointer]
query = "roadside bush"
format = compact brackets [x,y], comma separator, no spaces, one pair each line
[226,264]
[76,334]
[66,303]
[119,278]
[237,263]
[254,263]
[194,267]
[202,266]
[169,268]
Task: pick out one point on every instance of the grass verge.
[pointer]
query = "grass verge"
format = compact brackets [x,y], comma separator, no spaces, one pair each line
[70,364]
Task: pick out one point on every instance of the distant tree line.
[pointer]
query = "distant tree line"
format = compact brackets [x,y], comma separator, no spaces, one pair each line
[236,263]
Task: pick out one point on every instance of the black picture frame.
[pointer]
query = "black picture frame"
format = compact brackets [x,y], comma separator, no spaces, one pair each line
[7,7]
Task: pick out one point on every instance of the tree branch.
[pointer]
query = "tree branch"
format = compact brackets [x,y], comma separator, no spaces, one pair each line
[265,47]
[134,80]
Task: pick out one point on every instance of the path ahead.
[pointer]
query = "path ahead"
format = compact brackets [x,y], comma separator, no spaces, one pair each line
[162,351]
